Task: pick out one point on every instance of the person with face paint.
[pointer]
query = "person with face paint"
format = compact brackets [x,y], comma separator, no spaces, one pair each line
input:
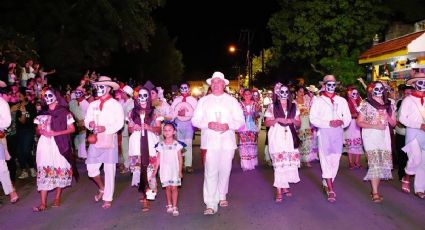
[55,162]
[144,128]
[306,133]
[375,116]
[330,114]
[282,117]
[78,108]
[5,121]
[352,135]
[183,107]
[412,115]
[105,117]
[218,115]
[248,134]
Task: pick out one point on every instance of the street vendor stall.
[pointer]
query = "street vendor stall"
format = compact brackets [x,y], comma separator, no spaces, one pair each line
[393,61]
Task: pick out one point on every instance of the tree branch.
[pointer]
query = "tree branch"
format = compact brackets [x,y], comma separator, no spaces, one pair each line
[316,70]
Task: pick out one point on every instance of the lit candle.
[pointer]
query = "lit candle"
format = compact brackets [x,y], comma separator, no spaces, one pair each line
[142,121]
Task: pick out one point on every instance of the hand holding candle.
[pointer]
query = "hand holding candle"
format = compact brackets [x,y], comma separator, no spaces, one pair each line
[142,122]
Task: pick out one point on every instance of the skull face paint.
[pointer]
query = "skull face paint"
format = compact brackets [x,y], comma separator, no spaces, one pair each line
[420,85]
[79,94]
[283,93]
[143,97]
[354,94]
[330,86]
[49,97]
[101,90]
[184,89]
[378,90]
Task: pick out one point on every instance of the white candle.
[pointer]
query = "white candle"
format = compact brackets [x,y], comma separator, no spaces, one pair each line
[142,121]
[218,117]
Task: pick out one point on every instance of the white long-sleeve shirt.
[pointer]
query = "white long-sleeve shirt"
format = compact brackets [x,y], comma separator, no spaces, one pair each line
[322,111]
[410,112]
[223,109]
[111,116]
[5,117]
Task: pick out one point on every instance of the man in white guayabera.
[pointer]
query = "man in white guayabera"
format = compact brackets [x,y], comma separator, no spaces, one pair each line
[218,115]
[105,117]
[330,114]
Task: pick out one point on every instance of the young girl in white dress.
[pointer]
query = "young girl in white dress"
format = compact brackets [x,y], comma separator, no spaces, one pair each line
[170,165]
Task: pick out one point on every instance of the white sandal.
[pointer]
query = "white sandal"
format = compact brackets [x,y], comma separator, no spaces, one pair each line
[175,211]
[169,208]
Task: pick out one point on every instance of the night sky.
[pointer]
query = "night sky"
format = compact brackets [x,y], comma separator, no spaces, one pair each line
[205,29]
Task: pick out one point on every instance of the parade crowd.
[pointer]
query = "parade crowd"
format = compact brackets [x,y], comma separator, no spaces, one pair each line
[135,129]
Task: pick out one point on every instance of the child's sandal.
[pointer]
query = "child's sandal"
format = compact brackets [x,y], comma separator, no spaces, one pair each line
[175,211]
[169,208]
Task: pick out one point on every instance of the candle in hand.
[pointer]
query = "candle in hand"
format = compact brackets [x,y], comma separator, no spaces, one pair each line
[142,121]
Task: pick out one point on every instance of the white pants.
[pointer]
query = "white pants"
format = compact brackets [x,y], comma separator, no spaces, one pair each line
[218,165]
[109,169]
[329,164]
[80,145]
[5,178]
[188,153]
[419,172]
[124,151]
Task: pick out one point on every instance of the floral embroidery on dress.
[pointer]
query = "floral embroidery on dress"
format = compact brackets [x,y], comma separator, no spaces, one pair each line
[49,177]
[283,159]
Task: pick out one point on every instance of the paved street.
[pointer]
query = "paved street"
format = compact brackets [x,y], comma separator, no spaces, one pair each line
[251,198]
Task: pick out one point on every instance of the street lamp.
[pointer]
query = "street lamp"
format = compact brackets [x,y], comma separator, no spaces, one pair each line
[232,49]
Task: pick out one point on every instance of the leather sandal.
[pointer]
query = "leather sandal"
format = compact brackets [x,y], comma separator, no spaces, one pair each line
[56,203]
[223,203]
[421,195]
[107,204]
[98,196]
[287,193]
[405,186]
[279,197]
[209,211]
[331,196]
[145,205]
[40,208]
[376,197]
[14,199]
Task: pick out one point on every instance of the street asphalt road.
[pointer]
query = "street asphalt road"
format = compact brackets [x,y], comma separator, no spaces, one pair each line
[251,204]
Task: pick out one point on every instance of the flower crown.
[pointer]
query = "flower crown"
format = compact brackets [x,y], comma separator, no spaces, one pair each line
[43,92]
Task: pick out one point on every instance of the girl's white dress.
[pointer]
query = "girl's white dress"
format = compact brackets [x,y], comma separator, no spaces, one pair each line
[53,170]
[169,163]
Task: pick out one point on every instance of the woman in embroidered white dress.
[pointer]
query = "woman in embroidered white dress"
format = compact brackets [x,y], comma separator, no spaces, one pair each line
[375,116]
[54,169]
[282,116]
[144,128]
